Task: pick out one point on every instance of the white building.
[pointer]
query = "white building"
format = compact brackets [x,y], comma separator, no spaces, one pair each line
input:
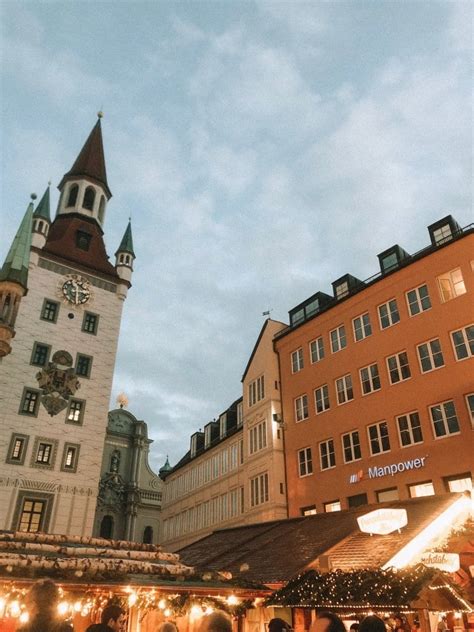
[62,300]
[234,472]
[129,501]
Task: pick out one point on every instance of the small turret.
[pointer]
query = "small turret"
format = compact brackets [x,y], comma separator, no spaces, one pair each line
[41,221]
[165,469]
[14,279]
[125,256]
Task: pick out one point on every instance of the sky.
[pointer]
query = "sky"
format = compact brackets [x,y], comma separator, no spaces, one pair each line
[262,150]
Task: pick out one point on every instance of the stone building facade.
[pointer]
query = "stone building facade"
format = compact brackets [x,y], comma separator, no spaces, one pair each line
[56,373]
[129,501]
[233,473]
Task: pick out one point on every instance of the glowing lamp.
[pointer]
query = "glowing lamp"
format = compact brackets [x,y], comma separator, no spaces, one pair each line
[132,599]
[63,607]
[382,521]
[15,609]
[232,600]
[24,616]
[167,612]
[162,604]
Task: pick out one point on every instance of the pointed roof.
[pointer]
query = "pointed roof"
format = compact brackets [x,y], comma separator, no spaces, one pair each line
[42,210]
[16,263]
[91,161]
[165,468]
[126,245]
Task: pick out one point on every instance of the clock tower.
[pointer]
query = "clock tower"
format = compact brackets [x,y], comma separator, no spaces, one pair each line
[61,303]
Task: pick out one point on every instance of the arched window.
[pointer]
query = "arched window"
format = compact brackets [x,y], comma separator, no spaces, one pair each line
[115,461]
[89,199]
[121,259]
[40,226]
[127,259]
[148,535]
[107,527]
[72,199]
[101,209]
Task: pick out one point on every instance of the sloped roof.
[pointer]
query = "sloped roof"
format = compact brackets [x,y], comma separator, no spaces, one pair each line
[15,267]
[43,208]
[277,551]
[417,587]
[91,161]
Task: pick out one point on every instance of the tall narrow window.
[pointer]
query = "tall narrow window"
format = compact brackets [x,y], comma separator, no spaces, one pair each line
[378,438]
[316,348]
[369,379]
[418,300]
[89,199]
[72,199]
[388,314]
[444,418]
[30,402]
[327,455]
[362,327]
[463,342]
[297,360]
[301,408]
[409,429]
[344,389]
[338,338]
[351,446]
[148,535]
[321,399]
[305,462]
[398,367]
[107,527]
[430,355]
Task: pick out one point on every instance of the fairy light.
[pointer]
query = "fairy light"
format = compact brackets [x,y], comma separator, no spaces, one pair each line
[132,599]
[77,606]
[15,609]
[24,617]
[162,604]
[167,612]
[232,600]
[63,608]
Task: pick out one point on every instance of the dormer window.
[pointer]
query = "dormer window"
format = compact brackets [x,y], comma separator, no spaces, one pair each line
[392,258]
[342,290]
[89,199]
[443,230]
[207,435]
[222,425]
[72,199]
[193,446]
[83,240]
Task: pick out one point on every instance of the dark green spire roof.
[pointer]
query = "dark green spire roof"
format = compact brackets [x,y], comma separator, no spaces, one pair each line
[42,210]
[17,261]
[126,245]
[166,467]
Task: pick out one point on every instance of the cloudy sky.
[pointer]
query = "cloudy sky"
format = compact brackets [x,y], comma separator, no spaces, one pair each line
[263,149]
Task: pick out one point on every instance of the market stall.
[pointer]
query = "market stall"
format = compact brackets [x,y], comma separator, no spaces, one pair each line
[414,591]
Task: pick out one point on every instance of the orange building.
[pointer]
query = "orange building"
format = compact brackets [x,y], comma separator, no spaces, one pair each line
[377,380]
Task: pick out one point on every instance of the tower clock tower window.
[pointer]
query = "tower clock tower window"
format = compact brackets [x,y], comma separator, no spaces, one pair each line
[72,199]
[89,199]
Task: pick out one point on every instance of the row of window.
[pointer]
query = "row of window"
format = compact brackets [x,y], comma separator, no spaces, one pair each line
[206,514]
[43,453]
[430,357]
[256,390]
[88,199]
[459,483]
[418,300]
[444,423]
[30,402]
[226,460]
[50,312]
[41,353]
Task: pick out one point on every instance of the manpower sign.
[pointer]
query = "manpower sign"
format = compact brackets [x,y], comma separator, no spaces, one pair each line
[389,470]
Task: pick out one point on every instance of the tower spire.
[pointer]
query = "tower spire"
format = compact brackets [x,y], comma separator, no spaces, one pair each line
[15,267]
[42,211]
[90,163]
[14,279]
[126,245]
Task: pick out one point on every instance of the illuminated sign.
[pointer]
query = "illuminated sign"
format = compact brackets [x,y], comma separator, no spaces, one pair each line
[389,470]
[382,521]
[448,562]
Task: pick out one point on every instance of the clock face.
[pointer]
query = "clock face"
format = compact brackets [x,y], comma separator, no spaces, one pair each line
[76,290]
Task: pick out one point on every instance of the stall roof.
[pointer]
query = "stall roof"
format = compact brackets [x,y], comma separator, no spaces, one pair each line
[273,552]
